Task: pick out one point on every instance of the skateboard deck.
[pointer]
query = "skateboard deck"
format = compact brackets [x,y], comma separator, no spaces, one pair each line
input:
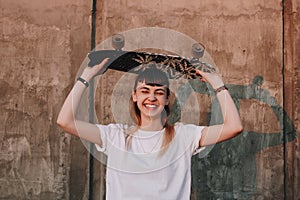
[134,62]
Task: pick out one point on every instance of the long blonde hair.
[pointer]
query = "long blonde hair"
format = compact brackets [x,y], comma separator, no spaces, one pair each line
[152,76]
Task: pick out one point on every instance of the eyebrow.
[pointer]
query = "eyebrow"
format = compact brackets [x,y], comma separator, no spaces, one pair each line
[160,89]
[143,88]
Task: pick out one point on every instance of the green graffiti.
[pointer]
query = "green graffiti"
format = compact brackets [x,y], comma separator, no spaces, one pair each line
[229,170]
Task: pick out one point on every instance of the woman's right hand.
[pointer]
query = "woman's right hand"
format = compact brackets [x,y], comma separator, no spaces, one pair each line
[89,72]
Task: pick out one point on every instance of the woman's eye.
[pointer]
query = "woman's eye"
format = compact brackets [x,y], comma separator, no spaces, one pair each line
[144,91]
[160,93]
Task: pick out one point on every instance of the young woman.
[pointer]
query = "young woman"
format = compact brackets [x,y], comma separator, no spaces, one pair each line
[151,160]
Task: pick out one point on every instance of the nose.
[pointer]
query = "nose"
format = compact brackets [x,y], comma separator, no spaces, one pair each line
[152,96]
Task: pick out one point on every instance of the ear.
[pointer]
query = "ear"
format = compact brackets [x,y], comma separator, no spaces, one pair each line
[167,101]
[133,95]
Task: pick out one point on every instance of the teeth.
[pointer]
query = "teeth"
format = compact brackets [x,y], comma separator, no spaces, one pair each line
[150,106]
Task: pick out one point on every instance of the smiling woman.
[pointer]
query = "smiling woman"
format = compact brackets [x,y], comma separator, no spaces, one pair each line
[142,159]
[151,96]
[150,104]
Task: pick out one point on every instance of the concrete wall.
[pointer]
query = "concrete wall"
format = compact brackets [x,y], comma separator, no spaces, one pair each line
[245,39]
[292,92]
[43,44]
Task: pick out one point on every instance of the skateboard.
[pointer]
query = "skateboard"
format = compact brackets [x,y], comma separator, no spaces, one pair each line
[136,61]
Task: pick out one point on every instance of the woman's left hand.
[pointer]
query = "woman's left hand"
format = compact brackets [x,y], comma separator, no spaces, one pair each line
[214,79]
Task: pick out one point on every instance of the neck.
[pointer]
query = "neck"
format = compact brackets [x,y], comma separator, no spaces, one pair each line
[151,124]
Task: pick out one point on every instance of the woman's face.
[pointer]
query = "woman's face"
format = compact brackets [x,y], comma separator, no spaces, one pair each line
[150,100]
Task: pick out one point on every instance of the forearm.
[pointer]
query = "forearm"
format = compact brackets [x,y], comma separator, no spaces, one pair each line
[70,106]
[67,113]
[69,124]
[229,111]
[231,118]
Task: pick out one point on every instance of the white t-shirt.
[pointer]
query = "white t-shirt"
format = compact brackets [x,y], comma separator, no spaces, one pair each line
[141,173]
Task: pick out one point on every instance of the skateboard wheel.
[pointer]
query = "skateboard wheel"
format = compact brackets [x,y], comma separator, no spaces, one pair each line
[197,50]
[118,41]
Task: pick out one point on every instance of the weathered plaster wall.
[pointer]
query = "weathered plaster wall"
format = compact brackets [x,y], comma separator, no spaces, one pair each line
[44,42]
[42,45]
[292,93]
[245,39]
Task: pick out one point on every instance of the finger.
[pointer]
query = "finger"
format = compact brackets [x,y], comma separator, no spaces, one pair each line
[203,79]
[102,65]
[199,72]
[104,61]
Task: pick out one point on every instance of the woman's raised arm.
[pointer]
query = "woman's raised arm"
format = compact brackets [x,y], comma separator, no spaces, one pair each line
[232,125]
[66,117]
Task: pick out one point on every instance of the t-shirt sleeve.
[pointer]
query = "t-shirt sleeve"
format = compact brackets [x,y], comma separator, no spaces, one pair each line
[196,143]
[191,135]
[111,134]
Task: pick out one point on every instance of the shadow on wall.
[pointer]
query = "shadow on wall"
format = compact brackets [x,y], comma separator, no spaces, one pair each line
[229,171]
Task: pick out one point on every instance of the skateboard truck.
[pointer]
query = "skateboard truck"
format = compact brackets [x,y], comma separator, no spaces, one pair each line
[118,42]
[197,50]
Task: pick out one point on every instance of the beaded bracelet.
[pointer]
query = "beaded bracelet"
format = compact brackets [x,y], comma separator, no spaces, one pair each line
[83,81]
[220,89]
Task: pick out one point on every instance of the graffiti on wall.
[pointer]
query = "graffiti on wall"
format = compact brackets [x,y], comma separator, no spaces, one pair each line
[229,170]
